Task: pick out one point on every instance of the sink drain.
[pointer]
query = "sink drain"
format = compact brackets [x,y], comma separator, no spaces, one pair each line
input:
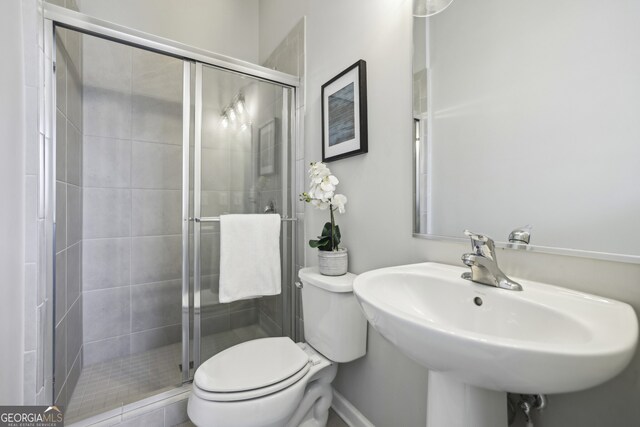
[477,301]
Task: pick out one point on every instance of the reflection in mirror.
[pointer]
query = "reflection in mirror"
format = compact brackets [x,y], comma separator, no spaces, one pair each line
[425,8]
[530,117]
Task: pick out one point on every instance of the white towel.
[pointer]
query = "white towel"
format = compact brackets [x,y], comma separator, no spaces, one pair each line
[249,256]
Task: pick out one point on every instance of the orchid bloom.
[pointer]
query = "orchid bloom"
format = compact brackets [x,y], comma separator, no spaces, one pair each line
[322,195]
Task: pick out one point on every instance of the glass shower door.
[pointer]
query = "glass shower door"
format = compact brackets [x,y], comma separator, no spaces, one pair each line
[241,165]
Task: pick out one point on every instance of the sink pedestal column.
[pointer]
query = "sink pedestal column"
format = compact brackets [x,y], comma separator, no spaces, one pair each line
[451,403]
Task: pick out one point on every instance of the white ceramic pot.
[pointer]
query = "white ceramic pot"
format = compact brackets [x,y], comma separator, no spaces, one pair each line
[333,263]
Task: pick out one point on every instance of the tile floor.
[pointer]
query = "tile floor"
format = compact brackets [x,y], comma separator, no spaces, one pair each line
[114,383]
[333,421]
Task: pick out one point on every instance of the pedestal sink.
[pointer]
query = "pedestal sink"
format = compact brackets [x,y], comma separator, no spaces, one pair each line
[480,342]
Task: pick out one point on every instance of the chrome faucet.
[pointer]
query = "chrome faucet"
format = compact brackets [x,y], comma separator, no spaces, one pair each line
[521,235]
[483,263]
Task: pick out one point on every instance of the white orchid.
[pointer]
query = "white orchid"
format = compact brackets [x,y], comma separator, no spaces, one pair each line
[322,195]
[339,200]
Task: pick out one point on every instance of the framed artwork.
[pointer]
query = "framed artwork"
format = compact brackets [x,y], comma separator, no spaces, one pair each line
[344,114]
[267,147]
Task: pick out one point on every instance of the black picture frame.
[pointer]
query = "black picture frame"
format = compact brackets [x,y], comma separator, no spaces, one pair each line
[344,114]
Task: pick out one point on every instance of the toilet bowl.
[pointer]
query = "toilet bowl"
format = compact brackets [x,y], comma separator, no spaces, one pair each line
[274,382]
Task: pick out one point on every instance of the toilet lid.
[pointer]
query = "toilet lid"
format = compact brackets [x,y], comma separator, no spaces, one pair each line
[251,365]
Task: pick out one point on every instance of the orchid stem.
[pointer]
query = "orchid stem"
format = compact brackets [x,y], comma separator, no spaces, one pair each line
[333,224]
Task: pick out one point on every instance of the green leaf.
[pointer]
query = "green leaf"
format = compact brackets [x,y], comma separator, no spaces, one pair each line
[326,230]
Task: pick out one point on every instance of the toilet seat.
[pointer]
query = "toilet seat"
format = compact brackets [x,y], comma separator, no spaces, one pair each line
[252,369]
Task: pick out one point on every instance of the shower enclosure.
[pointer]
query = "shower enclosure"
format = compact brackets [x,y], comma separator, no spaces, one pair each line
[154,141]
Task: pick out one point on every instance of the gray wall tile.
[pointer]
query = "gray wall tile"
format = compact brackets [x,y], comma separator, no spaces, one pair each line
[215,324]
[73,43]
[242,318]
[210,253]
[106,263]
[74,156]
[106,313]
[61,75]
[74,375]
[156,212]
[61,398]
[215,169]
[214,203]
[155,259]
[240,171]
[107,64]
[152,419]
[156,304]
[61,146]
[74,96]
[106,162]
[157,75]
[61,285]
[74,215]
[156,166]
[110,348]
[60,356]
[107,212]
[61,216]
[74,332]
[107,113]
[73,270]
[244,304]
[154,338]
[176,413]
[156,120]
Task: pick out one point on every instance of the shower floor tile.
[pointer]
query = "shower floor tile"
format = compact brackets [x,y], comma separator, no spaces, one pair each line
[117,382]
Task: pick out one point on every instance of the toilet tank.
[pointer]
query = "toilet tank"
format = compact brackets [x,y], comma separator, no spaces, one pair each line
[333,322]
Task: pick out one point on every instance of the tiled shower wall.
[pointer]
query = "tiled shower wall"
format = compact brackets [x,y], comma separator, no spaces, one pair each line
[131,204]
[227,181]
[132,181]
[68,261]
[289,57]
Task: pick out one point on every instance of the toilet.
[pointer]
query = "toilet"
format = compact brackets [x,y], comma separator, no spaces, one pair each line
[274,382]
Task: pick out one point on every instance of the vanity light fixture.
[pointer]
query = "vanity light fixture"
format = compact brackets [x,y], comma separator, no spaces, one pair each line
[236,113]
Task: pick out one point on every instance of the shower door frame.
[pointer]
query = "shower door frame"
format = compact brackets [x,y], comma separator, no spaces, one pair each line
[57,16]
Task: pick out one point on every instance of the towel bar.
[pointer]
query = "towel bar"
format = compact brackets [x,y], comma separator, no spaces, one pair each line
[217,219]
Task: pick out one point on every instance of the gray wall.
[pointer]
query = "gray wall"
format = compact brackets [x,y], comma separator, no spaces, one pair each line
[68,258]
[12,188]
[229,27]
[387,387]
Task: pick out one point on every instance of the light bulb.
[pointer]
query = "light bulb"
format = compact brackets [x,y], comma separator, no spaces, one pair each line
[240,107]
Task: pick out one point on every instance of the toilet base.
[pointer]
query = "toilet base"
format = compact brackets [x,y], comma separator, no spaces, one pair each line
[313,410]
[303,404]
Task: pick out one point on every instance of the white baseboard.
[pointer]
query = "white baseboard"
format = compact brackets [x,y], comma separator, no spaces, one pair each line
[348,412]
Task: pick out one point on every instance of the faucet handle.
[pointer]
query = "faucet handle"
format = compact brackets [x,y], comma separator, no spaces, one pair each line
[521,235]
[476,236]
[481,244]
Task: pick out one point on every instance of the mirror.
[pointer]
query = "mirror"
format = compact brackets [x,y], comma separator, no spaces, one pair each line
[529,113]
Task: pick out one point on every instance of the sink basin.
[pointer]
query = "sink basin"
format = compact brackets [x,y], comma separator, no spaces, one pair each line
[543,339]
